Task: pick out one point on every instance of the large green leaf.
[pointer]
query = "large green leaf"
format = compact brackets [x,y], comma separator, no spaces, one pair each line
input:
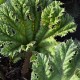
[25,21]
[63,64]
[64,26]
[55,22]
[49,17]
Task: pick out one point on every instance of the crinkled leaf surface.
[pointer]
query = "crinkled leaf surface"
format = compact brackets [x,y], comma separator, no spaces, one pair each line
[63,64]
[23,22]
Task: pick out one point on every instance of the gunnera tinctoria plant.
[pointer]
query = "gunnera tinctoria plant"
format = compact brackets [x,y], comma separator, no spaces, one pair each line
[29,27]
[26,24]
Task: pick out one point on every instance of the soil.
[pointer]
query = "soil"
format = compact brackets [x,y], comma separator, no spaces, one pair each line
[11,71]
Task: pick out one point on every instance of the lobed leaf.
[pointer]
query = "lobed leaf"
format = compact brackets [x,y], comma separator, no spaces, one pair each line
[63,64]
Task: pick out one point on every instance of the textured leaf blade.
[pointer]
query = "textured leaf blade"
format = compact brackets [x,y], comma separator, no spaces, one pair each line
[65,25]
[62,65]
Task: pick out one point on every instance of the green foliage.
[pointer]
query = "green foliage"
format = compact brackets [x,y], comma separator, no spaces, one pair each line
[2,1]
[26,24]
[62,64]
[32,25]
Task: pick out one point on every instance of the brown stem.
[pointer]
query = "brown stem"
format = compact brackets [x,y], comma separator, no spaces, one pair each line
[26,64]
